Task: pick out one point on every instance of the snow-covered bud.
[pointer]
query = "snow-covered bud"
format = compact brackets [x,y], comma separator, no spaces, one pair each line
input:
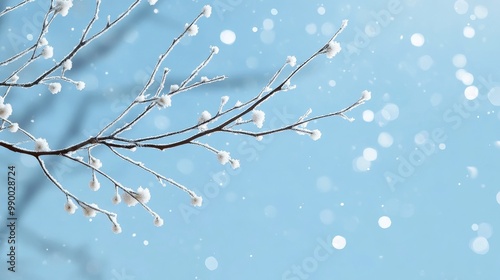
[43,42]
[14,78]
[96,163]
[223,100]
[80,85]
[258,117]
[128,199]
[62,7]
[116,228]
[158,221]
[5,110]
[14,127]
[366,95]
[223,157]
[315,134]
[204,116]
[89,211]
[214,49]
[164,101]
[67,64]
[234,163]
[54,88]
[196,201]
[206,11]
[192,29]
[41,145]
[70,206]
[143,195]
[332,49]
[94,183]
[116,199]
[291,60]
[174,87]
[47,52]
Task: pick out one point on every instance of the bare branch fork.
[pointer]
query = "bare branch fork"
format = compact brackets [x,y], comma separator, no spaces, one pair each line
[224,120]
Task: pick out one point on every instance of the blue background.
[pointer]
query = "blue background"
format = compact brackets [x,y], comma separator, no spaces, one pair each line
[275,217]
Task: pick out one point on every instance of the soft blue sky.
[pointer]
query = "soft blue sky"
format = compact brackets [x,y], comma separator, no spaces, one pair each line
[276,216]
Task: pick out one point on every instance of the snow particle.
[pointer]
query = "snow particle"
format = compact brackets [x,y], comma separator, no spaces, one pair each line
[425,62]
[360,164]
[479,245]
[370,154]
[161,122]
[211,263]
[324,184]
[484,230]
[417,40]
[385,139]
[384,222]
[390,112]
[321,10]
[326,216]
[494,96]
[368,115]
[461,7]
[459,60]
[469,32]
[471,92]
[227,37]
[339,242]
[311,29]
[274,12]
[327,29]
[185,166]
[481,12]
[268,24]
[464,76]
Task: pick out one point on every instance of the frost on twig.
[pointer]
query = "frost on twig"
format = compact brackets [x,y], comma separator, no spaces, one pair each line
[243,118]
